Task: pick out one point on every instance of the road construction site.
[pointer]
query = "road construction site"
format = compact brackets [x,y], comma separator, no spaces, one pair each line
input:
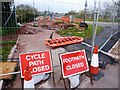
[33,39]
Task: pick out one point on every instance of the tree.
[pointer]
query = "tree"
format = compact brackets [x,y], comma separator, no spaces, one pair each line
[25,13]
[118,10]
[72,12]
[82,13]
[89,13]
[107,10]
[8,18]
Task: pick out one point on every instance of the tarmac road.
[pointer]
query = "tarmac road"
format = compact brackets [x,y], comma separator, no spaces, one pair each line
[105,24]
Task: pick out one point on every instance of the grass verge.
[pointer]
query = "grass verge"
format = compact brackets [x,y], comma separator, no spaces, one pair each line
[6,48]
[81,33]
[6,45]
[102,20]
[8,31]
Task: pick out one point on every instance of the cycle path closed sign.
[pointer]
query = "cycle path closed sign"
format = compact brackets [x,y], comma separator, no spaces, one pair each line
[38,62]
[73,63]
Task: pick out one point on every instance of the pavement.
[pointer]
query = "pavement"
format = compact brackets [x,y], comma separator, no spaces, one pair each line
[105,24]
[110,79]
[35,42]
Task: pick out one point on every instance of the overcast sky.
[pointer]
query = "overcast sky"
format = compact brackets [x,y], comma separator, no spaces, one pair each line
[61,6]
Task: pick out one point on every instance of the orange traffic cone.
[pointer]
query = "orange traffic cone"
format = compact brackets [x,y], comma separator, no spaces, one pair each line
[94,68]
[28,82]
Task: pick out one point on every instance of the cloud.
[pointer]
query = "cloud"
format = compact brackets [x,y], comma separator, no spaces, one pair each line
[59,5]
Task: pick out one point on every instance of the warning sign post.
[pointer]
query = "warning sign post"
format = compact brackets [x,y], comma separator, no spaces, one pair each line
[73,63]
[38,62]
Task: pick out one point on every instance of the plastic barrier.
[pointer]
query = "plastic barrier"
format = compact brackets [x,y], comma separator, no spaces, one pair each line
[63,41]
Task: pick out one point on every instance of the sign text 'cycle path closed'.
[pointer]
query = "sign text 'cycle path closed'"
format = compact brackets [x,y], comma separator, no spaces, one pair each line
[39,62]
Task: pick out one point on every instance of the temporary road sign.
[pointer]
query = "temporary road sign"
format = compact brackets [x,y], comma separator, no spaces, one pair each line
[38,62]
[73,63]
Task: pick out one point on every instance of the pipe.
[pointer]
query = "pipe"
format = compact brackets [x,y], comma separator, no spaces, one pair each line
[86,44]
[108,40]
[10,73]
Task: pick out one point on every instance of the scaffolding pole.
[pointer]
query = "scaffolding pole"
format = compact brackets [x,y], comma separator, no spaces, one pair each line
[96,16]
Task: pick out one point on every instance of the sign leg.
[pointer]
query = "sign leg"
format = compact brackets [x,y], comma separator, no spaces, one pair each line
[64,83]
[22,83]
[59,79]
[53,70]
[91,78]
[53,78]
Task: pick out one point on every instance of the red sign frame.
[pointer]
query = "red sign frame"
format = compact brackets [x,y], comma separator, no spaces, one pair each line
[39,62]
[73,63]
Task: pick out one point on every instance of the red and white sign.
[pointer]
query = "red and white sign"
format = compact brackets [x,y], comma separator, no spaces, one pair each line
[39,62]
[74,63]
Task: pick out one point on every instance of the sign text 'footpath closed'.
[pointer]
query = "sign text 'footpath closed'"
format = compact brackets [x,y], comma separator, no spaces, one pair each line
[74,63]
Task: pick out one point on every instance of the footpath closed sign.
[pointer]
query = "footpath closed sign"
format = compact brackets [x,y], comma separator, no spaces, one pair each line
[39,62]
[74,63]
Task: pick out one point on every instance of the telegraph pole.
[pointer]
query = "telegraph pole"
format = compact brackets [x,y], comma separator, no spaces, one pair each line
[34,12]
[85,10]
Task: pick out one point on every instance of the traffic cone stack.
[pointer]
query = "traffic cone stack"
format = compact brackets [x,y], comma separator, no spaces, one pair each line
[28,81]
[94,67]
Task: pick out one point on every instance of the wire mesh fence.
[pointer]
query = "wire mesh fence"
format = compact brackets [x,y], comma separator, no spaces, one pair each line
[9,26]
[16,14]
[14,18]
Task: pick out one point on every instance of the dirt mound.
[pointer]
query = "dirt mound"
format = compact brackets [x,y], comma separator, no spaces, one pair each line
[45,23]
[27,29]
